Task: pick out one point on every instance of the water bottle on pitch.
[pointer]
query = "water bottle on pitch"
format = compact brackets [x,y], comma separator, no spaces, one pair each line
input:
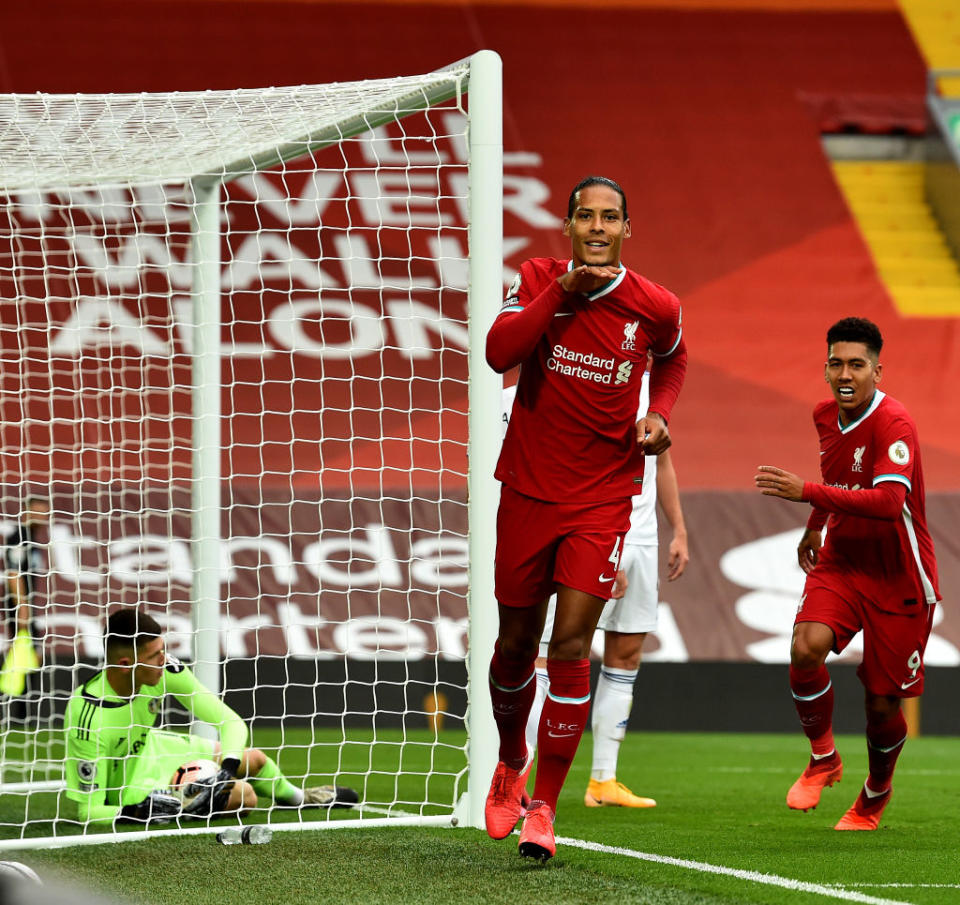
[245,835]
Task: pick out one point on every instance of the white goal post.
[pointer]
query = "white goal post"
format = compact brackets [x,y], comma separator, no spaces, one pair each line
[242,339]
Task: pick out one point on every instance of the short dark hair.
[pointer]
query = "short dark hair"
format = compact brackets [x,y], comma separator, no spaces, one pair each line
[129,627]
[31,502]
[595,180]
[856,330]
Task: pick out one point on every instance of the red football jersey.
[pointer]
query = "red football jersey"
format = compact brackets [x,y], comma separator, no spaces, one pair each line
[572,434]
[889,560]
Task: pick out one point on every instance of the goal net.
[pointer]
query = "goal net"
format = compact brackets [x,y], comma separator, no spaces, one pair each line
[241,336]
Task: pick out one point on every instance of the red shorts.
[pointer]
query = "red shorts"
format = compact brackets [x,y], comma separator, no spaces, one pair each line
[540,545]
[893,642]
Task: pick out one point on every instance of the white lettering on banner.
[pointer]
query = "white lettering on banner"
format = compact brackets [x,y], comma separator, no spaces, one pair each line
[365,327]
[123,269]
[362,638]
[66,551]
[150,559]
[271,553]
[295,624]
[358,260]
[375,551]
[453,267]
[85,632]
[97,322]
[439,562]
[523,197]
[392,199]
[410,322]
[380,638]
[379,148]
[452,637]
[234,631]
[306,209]
[140,252]
[267,257]
[435,562]
[769,566]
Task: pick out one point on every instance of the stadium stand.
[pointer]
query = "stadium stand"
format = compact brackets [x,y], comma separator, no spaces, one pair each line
[714,121]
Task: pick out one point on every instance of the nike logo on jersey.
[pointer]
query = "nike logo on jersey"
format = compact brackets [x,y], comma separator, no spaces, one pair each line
[564,314]
[906,685]
[607,577]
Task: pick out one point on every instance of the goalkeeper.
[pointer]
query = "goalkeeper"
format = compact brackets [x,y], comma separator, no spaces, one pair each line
[119,766]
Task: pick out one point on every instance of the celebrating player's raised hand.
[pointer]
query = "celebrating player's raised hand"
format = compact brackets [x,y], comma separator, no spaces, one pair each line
[588,278]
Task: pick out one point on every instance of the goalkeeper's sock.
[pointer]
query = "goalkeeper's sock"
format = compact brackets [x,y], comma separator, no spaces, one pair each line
[812,693]
[565,714]
[884,744]
[270,781]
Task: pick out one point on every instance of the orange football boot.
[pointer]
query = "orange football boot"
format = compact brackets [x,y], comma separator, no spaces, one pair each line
[804,794]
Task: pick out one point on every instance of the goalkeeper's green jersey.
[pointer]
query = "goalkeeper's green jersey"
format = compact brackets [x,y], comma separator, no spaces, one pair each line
[113,750]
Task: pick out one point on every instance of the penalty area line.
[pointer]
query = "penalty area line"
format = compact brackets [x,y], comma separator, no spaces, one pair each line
[751,876]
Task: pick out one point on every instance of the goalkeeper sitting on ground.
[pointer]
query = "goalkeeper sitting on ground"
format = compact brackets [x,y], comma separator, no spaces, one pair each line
[119,766]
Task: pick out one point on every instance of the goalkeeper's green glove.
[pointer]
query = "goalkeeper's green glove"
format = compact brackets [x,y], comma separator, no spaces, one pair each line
[157,808]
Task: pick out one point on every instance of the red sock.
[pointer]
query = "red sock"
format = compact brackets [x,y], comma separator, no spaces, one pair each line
[813,697]
[884,744]
[564,716]
[512,689]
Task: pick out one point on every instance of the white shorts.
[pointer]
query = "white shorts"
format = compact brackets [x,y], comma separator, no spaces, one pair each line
[635,612]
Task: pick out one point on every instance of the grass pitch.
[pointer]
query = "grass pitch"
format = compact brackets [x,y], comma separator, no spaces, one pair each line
[721,834]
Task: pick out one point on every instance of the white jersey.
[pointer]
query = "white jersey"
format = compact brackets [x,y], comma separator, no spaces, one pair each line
[643,520]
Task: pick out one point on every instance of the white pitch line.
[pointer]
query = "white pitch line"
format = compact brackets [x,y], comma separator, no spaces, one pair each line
[782,770]
[896,885]
[750,876]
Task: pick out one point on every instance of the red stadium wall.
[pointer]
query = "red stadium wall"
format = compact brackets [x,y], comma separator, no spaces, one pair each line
[711,119]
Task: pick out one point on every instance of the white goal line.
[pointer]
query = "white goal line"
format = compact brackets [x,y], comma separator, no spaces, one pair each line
[751,876]
[138,836]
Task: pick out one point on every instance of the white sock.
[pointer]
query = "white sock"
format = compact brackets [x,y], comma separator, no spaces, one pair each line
[533,721]
[295,799]
[611,709]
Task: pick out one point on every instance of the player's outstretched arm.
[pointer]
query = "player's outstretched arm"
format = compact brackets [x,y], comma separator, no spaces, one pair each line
[773,481]
[180,681]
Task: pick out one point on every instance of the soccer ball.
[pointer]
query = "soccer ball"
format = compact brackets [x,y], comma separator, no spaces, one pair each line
[188,780]
[15,871]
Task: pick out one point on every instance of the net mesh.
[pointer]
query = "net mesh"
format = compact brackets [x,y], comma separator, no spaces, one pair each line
[342,555]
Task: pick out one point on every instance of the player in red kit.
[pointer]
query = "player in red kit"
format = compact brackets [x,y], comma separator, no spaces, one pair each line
[875,571]
[571,460]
